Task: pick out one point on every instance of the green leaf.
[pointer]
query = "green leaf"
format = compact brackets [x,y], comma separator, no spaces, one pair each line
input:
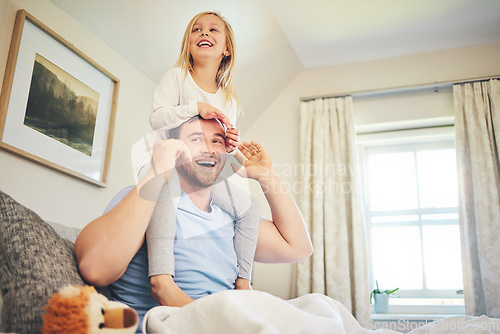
[391,291]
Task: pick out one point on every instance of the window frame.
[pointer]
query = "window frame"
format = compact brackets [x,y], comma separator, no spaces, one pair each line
[404,141]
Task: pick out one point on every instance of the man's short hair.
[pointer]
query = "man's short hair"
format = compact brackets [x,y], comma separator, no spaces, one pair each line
[174,132]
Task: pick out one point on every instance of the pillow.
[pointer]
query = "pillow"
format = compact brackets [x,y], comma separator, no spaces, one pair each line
[34,263]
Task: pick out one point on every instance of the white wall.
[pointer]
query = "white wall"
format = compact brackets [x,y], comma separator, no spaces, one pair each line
[403,106]
[55,196]
[278,128]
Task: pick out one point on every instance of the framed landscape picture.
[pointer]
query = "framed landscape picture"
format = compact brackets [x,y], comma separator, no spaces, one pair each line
[57,106]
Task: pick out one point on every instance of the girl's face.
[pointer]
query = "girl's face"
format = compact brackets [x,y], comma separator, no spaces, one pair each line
[208,38]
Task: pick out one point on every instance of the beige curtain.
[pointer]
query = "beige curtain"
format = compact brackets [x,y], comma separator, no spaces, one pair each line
[477,112]
[330,205]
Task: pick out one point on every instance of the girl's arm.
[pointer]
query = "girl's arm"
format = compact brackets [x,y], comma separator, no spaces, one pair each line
[167,109]
[285,238]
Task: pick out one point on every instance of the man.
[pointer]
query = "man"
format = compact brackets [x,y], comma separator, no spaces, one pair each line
[110,250]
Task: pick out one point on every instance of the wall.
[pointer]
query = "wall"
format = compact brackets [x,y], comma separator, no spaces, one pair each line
[55,196]
[278,128]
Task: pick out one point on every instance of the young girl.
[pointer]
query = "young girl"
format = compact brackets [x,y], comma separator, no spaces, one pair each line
[201,83]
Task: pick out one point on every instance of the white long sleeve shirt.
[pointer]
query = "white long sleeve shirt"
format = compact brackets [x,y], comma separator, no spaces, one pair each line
[176,98]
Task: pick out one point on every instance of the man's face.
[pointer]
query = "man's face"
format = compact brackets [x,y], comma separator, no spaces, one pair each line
[206,142]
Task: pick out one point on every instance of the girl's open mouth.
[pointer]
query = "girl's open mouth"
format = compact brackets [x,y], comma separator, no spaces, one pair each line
[205,44]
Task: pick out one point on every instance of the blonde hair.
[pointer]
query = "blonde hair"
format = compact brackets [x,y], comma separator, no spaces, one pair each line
[225,73]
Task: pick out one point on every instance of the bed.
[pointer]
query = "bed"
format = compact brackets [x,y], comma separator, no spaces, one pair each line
[240,311]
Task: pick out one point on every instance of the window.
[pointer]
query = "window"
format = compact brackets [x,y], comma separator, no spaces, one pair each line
[412,214]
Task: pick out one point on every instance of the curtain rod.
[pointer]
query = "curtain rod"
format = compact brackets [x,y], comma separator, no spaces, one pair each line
[396,88]
[434,122]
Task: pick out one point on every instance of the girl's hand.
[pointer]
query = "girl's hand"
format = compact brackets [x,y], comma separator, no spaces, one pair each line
[208,111]
[258,163]
[232,139]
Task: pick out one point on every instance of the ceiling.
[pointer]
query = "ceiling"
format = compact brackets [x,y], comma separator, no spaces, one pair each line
[331,32]
[321,32]
[284,37]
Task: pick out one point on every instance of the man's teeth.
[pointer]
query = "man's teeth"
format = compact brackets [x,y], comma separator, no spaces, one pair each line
[206,163]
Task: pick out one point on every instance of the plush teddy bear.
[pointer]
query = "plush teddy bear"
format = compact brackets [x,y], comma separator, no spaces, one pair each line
[81,310]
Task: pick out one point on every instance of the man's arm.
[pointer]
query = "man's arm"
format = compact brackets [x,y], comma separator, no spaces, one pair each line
[105,247]
[285,238]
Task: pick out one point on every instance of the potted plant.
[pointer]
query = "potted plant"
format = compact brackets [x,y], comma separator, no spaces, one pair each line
[381,299]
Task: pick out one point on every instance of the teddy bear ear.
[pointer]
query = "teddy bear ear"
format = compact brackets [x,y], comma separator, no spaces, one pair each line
[69,291]
[72,291]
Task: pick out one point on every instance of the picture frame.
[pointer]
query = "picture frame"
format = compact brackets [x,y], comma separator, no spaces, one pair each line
[57,106]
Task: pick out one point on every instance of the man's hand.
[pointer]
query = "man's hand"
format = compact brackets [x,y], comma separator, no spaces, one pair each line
[285,237]
[208,111]
[165,153]
[258,163]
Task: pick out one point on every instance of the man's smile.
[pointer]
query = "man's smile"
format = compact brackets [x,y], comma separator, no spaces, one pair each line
[208,163]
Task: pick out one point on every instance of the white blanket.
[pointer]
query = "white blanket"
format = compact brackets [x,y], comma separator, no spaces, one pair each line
[240,311]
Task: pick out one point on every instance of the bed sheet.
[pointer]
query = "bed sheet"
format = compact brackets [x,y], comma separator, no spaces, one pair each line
[242,311]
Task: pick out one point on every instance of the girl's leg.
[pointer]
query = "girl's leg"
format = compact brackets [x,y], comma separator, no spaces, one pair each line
[245,209]
[160,237]
[160,233]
